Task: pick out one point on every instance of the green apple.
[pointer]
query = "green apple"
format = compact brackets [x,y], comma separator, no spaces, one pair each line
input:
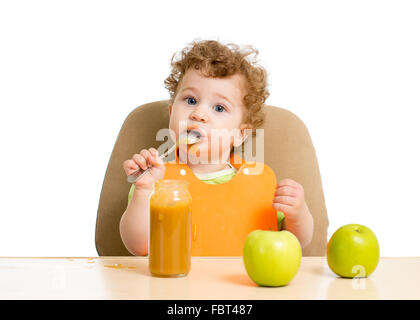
[272,258]
[353,251]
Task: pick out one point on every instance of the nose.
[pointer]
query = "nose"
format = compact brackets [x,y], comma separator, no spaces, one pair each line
[198,115]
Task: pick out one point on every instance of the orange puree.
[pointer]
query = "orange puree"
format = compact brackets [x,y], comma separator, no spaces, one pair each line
[170,229]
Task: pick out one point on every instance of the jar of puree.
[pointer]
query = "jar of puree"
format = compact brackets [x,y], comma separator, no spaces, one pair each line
[170,229]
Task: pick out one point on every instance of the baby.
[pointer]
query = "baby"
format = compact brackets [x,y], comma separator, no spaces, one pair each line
[218,92]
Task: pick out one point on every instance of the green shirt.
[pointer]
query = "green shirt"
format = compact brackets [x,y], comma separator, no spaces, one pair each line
[219,177]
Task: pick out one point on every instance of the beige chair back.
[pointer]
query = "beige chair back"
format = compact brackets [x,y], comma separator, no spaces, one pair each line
[288,150]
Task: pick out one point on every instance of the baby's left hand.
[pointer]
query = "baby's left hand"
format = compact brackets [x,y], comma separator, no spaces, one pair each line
[290,199]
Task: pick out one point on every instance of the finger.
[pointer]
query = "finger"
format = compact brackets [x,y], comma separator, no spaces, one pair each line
[290,201]
[156,160]
[145,153]
[286,182]
[130,164]
[154,152]
[139,159]
[286,191]
[147,156]
[282,207]
[289,182]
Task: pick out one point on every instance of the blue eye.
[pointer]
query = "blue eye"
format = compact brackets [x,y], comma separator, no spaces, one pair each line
[189,99]
[219,108]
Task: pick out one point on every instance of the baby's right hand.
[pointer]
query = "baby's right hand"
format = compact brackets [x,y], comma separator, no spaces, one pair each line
[146,158]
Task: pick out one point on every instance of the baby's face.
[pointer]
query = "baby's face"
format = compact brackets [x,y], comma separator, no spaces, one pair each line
[214,107]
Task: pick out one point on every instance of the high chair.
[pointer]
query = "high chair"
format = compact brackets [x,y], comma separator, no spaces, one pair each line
[288,150]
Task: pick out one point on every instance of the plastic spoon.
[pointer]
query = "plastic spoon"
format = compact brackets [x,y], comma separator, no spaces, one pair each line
[187,137]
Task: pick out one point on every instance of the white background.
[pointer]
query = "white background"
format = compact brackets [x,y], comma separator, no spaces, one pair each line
[71,71]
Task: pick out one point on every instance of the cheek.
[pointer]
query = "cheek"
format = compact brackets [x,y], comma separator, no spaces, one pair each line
[177,122]
[173,128]
[220,142]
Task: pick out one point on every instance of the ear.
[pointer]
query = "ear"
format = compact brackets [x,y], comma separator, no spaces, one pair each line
[244,131]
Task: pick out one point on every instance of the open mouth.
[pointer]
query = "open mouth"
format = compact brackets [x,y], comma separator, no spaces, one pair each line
[195,133]
[190,136]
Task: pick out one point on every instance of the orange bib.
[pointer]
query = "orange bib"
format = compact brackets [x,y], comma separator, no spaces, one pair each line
[224,214]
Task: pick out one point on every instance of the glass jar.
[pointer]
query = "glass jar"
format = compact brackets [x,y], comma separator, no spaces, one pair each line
[170,229]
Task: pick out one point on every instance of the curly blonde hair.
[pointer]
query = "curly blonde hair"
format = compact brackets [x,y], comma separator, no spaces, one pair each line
[216,60]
